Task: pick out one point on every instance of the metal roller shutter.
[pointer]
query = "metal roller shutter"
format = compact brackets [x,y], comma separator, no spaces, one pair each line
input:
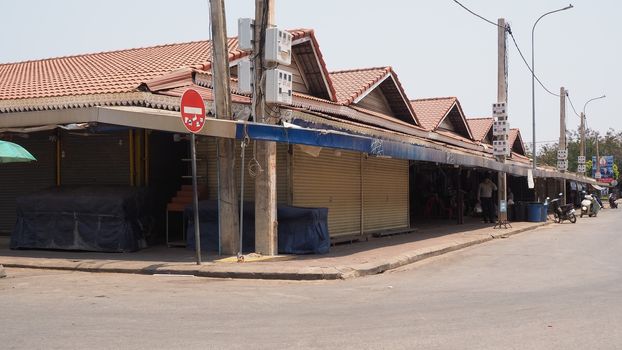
[249,181]
[332,180]
[89,159]
[385,194]
[17,179]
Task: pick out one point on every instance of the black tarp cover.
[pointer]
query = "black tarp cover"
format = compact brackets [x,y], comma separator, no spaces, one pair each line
[300,230]
[102,218]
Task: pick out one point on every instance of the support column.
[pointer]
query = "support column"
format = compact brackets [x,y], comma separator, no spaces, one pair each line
[501,97]
[266,242]
[228,196]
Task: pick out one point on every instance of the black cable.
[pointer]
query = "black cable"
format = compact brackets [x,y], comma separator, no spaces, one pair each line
[572,105]
[476,15]
[509,30]
[529,67]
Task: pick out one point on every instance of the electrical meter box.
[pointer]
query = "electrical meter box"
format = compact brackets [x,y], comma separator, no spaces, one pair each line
[500,148]
[562,165]
[245,34]
[499,110]
[278,46]
[500,128]
[581,159]
[562,154]
[278,86]
[245,77]
[581,168]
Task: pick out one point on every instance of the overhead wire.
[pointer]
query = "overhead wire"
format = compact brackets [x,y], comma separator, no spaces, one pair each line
[509,31]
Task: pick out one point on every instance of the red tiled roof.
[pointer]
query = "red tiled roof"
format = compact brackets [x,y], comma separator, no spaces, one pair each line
[350,84]
[513,136]
[480,127]
[108,72]
[431,111]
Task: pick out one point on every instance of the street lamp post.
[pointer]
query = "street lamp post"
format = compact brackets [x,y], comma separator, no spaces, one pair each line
[533,78]
[583,120]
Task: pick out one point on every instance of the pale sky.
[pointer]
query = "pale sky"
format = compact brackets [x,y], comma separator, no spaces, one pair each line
[435,47]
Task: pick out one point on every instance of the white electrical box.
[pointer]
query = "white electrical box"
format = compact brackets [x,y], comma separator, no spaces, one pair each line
[245,34]
[500,148]
[562,154]
[562,165]
[581,168]
[245,77]
[500,128]
[278,86]
[499,110]
[581,160]
[278,46]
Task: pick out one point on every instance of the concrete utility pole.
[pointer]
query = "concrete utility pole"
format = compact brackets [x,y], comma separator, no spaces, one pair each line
[502,97]
[562,133]
[597,165]
[582,145]
[227,199]
[265,183]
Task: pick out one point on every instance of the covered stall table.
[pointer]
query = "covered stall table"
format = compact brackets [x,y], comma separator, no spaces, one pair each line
[300,230]
[91,218]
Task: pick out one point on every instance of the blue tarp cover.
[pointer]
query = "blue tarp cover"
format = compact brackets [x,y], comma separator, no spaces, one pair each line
[300,230]
[102,218]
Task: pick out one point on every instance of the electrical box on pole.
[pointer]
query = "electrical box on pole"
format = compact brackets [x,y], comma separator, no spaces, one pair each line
[245,77]
[245,34]
[278,86]
[278,46]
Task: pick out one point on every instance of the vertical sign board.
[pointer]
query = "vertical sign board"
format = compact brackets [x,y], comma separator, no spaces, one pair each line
[192,110]
[606,168]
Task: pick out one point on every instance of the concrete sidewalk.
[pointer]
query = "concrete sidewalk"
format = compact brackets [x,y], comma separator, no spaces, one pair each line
[344,261]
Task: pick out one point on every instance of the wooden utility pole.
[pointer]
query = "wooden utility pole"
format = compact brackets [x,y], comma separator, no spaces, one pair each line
[227,189]
[502,97]
[265,182]
[562,134]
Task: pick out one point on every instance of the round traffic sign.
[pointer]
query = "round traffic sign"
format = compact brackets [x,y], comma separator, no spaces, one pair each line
[192,110]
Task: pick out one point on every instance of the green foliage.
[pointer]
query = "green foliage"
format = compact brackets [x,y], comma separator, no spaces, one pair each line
[609,145]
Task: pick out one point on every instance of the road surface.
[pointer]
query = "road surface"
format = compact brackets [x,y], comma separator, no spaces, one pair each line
[557,287]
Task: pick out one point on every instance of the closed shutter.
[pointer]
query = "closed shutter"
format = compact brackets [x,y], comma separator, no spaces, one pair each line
[17,179]
[332,180]
[385,194]
[89,159]
[249,180]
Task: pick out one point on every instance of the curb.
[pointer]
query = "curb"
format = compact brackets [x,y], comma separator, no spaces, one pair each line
[303,274]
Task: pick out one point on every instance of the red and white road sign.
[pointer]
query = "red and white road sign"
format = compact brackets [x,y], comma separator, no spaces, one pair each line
[192,110]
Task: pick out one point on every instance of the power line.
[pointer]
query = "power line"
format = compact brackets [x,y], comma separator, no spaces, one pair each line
[572,105]
[529,67]
[509,30]
[476,15]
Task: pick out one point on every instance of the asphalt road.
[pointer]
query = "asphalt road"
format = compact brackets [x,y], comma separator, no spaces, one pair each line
[558,287]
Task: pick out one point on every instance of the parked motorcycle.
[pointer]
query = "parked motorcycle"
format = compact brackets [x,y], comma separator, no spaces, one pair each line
[562,212]
[612,201]
[589,206]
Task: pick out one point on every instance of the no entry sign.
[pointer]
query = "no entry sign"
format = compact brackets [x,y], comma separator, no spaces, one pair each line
[192,110]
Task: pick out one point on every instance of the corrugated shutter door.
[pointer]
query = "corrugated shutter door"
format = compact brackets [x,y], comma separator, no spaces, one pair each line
[385,194]
[249,181]
[17,179]
[330,181]
[101,159]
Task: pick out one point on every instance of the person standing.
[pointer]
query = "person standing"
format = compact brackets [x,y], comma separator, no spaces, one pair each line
[484,197]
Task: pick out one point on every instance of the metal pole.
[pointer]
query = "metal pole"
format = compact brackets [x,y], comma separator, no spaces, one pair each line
[533,78]
[195,198]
